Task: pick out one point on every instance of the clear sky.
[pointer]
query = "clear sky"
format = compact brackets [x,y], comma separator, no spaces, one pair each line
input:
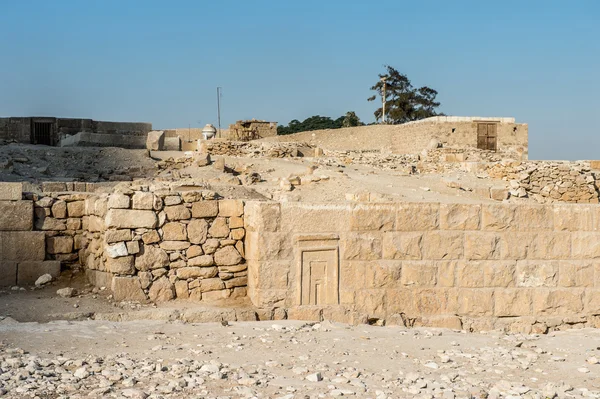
[161,61]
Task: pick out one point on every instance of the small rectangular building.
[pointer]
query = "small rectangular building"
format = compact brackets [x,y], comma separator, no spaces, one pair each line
[251,130]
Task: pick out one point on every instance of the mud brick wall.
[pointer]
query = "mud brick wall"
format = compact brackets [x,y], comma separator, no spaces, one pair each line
[479,267]
[164,245]
[22,251]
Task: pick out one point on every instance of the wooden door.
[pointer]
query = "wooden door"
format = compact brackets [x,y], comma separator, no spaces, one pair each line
[487,136]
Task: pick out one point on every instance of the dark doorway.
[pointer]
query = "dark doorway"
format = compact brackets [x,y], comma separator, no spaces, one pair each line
[42,132]
[487,136]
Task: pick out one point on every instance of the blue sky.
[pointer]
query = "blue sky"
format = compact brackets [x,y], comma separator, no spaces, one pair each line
[160,62]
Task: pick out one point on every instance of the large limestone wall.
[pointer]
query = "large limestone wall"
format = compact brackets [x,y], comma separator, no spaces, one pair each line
[517,267]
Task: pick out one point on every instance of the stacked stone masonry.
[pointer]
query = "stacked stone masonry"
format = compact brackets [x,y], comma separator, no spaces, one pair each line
[479,267]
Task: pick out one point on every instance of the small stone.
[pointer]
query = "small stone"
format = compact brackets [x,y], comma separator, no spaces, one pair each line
[66,292]
[315,377]
[43,279]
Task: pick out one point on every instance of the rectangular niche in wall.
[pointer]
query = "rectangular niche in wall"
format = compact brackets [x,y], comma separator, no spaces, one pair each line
[318,270]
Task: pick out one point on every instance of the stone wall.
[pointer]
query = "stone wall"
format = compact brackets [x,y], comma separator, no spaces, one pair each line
[250,149]
[478,267]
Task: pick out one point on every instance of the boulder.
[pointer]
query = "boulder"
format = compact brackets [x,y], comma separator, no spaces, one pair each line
[155,140]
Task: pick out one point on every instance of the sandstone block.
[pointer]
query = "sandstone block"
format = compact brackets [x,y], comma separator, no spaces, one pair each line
[402,245]
[121,266]
[418,273]
[417,216]
[161,290]
[211,284]
[237,282]
[211,296]
[29,271]
[482,245]
[475,302]
[571,217]
[219,228]
[50,224]
[361,246]
[431,301]
[143,200]
[229,208]
[498,217]
[314,218]
[16,215]
[210,246]
[558,301]
[11,191]
[460,216]
[205,209]
[512,302]
[193,251]
[59,245]
[469,275]
[373,217]
[227,256]
[197,231]
[181,289]
[130,219]
[59,210]
[76,209]
[236,222]
[515,245]
[233,268]
[499,273]
[118,201]
[127,289]
[73,224]
[8,273]
[22,246]
[202,260]
[151,258]
[174,245]
[93,223]
[185,273]
[498,193]
[133,247]
[440,245]
[382,274]
[177,212]
[265,216]
[447,272]
[536,273]
[585,245]
[150,237]
[237,234]
[174,231]
[575,274]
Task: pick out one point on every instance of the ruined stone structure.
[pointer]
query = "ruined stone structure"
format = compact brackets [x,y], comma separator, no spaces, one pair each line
[486,133]
[50,131]
[251,130]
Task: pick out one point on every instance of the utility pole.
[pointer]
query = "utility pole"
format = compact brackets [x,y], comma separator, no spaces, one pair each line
[383,79]
[219,109]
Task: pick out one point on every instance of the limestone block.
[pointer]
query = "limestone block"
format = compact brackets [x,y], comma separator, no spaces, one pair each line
[133,247]
[400,245]
[447,272]
[29,271]
[237,234]
[361,246]
[143,200]
[99,279]
[161,290]
[498,273]
[476,302]
[116,250]
[118,201]
[210,246]
[482,245]
[211,284]
[308,313]
[197,231]
[515,245]
[181,289]
[59,245]
[575,273]
[59,209]
[150,237]
[194,250]
[174,231]
[177,212]
[127,289]
[130,219]
[575,217]
[534,217]
[233,268]
[112,236]
[211,296]
[205,209]
[185,273]
[202,260]
[50,224]
[265,246]
[460,216]
[585,245]
[382,274]
[150,258]
[232,207]
[237,282]
[155,140]
[219,228]
[444,321]
[264,216]
[227,256]
[73,224]
[417,216]
[469,275]
[172,200]
[11,191]
[418,273]
[93,224]
[174,245]
[314,218]
[373,217]
[536,273]
[22,246]
[53,187]
[512,302]
[592,301]
[16,215]
[439,245]
[121,266]
[8,273]
[236,222]
[558,301]
[76,209]
[498,217]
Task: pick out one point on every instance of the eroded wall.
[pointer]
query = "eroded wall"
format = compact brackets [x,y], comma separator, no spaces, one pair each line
[478,267]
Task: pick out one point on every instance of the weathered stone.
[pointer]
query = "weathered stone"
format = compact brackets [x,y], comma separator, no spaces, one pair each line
[181,289]
[155,140]
[8,273]
[202,260]
[237,234]
[417,216]
[118,201]
[116,250]
[161,290]
[59,210]
[11,191]
[227,256]
[460,216]
[232,207]
[211,284]
[236,282]
[210,296]
[498,217]
[143,200]
[174,245]
[145,279]
[557,301]
[151,258]
[76,209]
[121,266]
[172,200]
[22,246]
[28,272]
[236,222]
[193,251]
[576,274]
[133,247]
[185,273]
[151,237]
[443,245]
[205,209]
[16,215]
[197,231]
[177,212]
[418,273]
[512,302]
[174,231]
[50,224]
[219,228]
[475,302]
[130,219]
[536,273]
[59,245]
[362,246]
[373,217]
[73,224]
[482,245]
[210,246]
[127,289]
[402,246]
